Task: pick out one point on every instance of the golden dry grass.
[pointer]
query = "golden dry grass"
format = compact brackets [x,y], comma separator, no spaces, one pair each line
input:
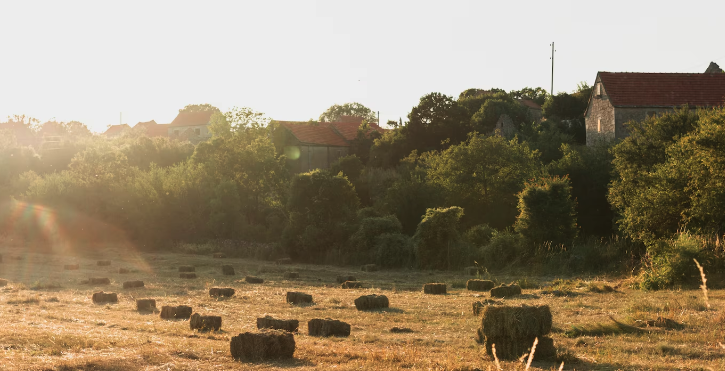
[45,327]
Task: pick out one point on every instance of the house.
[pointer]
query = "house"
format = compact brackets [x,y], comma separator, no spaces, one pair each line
[190,124]
[533,107]
[316,145]
[152,129]
[114,131]
[619,97]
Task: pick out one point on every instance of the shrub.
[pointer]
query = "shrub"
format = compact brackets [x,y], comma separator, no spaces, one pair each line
[436,238]
[393,250]
[504,248]
[671,262]
[479,235]
[350,166]
[547,211]
[361,246]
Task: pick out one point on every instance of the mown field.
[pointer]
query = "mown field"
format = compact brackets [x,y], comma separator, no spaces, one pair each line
[50,323]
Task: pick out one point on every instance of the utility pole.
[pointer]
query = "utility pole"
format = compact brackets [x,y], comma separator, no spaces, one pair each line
[552,69]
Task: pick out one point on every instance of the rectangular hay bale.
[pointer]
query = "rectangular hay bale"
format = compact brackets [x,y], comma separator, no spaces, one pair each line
[298,297]
[343,279]
[479,285]
[71,267]
[122,270]
[219,291]
[371,302]
[434,288]
[516,322]
[205,323]
[264,345]
[291,325]
[351,285]
[103,297]
[99,281]
[252,279]
[103,263]
[327,327]
[227,270]
[145,305]
[505,291]
[187,269]
[132,284]
[512,349]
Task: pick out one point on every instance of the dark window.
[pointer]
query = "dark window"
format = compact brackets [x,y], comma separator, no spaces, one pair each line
[197,131]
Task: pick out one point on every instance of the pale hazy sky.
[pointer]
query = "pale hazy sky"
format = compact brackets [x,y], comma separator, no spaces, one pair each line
[90,60]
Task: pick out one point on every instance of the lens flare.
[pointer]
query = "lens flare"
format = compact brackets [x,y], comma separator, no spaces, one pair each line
[292,152]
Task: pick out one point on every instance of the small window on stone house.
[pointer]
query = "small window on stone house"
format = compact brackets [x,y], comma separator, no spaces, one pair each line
[599,125]
[598,90]
[197,131]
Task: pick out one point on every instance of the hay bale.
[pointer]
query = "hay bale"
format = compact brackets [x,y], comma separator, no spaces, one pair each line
[516,322]
[298,297]
[132,284]
[187,275]
[187,269]
[291,325]
[284,261]
[505,291]
[204,323]
[146,305]
[183,312]
[103,297]
[291,275]
[369,268]
[168,312]
[3,282]
[401,330]
[351,285]
[252,279]
[369,302]
[219,255]
[103,263]
[227,270]
[122,270]
[71,267]
[479,305]
[99,281]
[507,349]
[434,288]
[327,327]
[264,345]
[218,291]
[470,271]
[343,279]
[479,285]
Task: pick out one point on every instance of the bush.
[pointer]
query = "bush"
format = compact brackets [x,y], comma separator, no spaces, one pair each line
[322,209]
[479,235]
[350,166]
[671,262]
[393,250]
[436,238]
[409,199]
[547,212]
[504,248]
[361,248]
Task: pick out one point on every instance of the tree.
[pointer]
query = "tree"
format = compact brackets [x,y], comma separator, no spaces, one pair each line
[483,175]
[364,140]
[537,95]
[436,122]
[547,211]
[484,121]
[199,108]
[436,238]
[336,111]
[240,121]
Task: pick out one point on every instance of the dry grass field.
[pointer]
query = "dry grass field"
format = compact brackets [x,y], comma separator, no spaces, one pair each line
[50,323]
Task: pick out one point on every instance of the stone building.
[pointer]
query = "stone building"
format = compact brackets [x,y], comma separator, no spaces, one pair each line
[619,97]
[189,125]
[316,145]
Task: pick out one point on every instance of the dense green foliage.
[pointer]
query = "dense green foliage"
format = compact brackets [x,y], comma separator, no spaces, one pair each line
[336,111]
[437,239]
[547,213]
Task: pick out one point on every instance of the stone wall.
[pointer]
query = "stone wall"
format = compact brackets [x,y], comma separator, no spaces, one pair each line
[600,111]
[316,157]
[624,115]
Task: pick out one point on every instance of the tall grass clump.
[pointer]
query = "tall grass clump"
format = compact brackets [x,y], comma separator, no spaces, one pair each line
[669,261]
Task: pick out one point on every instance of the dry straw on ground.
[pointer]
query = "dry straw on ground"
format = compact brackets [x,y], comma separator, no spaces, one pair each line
[263,345]
[291,275]
[369,268]
[351,285]
[187,275]
[103,263]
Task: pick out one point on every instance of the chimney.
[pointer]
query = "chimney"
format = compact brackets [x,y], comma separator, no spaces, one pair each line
[713,68]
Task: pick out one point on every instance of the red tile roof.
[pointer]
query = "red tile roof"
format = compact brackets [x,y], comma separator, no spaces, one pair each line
[529,103]
[348,130]
[320,133]
[116,129]
[664,89]
[153,129]
[192,118]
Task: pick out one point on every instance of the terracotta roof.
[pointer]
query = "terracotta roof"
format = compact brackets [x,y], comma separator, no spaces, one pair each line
[153,129]
[321,133]
[529,103]
[116,129]
[664,89]
[348,130]
[192,118]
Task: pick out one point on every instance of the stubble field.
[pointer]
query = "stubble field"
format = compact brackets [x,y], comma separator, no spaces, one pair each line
[50,323]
